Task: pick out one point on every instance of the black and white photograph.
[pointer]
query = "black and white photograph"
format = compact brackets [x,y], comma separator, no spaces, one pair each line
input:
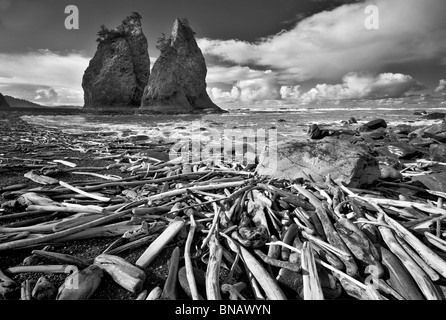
[218,156]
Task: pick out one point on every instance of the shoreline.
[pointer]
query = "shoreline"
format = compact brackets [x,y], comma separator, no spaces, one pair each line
[27,147]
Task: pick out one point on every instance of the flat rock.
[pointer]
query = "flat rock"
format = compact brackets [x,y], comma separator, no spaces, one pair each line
[403,129]
[434,116]
[377,134]
[373,125]
[302,158]
[421,142]
[435,182]
[437,152]
[401,150]
[436,132]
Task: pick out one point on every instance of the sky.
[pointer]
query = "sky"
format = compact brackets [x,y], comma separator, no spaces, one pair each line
[275,52]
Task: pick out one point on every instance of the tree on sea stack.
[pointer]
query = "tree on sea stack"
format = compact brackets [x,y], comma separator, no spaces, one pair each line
[120,69]
[178,80]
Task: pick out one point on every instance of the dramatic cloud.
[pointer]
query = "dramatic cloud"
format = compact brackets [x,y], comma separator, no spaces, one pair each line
[230,75]
[47,96]
[290,92]
[257,89]
[44,77]
[354,86]
[441,86]
[330,44]
[262,86]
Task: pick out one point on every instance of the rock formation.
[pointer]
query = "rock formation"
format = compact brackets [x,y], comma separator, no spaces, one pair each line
[178,80]
[303,158]
[120,69]
[3,103]
[436,132]
[434,182]
[399,149]
[373,125]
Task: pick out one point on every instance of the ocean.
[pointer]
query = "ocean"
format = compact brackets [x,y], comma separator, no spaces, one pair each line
[240,132]
[289,122]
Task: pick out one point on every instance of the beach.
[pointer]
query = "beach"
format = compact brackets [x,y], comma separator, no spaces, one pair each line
[130,164]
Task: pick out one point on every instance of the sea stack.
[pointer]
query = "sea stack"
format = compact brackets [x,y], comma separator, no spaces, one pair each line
[3,103]
[120,69]
[178,80]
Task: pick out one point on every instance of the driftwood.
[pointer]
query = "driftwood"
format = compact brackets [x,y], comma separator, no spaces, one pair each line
[81,285]
[155,248]
[125,274]
[334,239]
[170,287]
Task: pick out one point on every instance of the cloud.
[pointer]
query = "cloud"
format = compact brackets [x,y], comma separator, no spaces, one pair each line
[361,86]
[353,86]
[36,73]
[290,92]
[258,89]
[47,96]
[330,44]
[230,75]
[253,86]
[441,86]
[219,95]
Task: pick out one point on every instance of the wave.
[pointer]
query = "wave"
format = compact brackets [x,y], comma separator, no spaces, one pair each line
[287,110]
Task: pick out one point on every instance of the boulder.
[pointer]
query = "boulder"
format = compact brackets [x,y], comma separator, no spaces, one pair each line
[303,158]
[401,150]
[178,80]
[120,69]
[390,173]
[434,182]
[374,135]
[435,116]
[437,152]
[403,129]
[436,132]
[316,133]
[421,142]
[373,125]
[3,103]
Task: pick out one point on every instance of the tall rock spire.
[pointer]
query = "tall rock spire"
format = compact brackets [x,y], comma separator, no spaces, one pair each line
[178,80]
[120,69]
